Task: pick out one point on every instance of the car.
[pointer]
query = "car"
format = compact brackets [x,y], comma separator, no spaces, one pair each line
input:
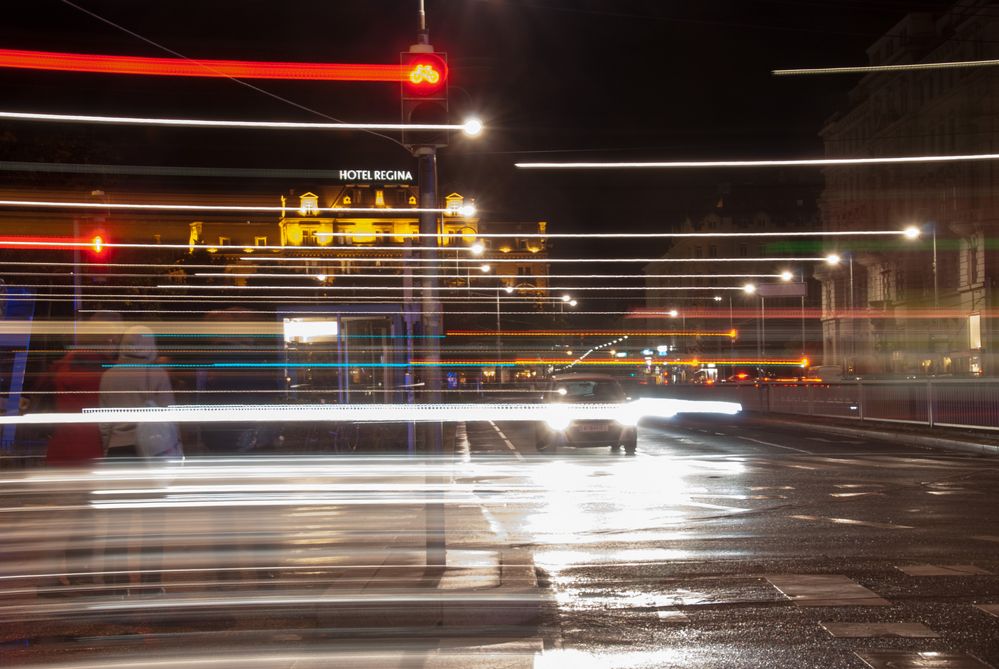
[618,432]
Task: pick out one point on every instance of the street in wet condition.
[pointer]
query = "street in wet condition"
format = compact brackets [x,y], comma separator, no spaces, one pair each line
[722,542]
[725,543]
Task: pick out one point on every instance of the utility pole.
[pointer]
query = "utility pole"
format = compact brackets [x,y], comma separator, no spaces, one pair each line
[425,151]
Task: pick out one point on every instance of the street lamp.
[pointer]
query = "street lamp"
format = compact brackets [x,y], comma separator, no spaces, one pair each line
[786,276]
[835,259]
[477,248]
[913,232]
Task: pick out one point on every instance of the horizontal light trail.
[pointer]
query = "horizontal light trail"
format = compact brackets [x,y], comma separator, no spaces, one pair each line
[521,261]
[813,162]
[642,235]
[478,277]
[376,412]
[199,328]
[441,288]
[188,67]
[866,69]
[160,206]
[624,334]
[639,362]
[220,123]
[306,365]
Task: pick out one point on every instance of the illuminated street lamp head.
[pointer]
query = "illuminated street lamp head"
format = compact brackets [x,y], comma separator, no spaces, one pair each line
[573,303]
[834,259]
[912,232]
[509,290]
[477,248]
[472,127]
[786,276]
[467,210]
[673,313]
[749,288]
[566,298]
[97,244]
[718,298]
[485,268]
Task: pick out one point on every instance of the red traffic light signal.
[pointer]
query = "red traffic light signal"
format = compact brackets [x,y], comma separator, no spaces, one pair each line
[424,75]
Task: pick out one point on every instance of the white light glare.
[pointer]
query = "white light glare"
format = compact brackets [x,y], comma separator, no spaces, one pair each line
[573,303]
[749,288]
[673,313]
[485,268]
[477,248]
[467,210]
[912,232]
[786,276]
[212,123]
[566,298]
[811,162]
[834,259]
[472,127]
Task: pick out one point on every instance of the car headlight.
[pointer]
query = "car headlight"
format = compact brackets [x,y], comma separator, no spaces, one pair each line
[558,421]
[628,419]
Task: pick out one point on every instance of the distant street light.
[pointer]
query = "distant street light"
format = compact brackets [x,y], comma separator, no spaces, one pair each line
[485,268]
[566,298]
[477,248]
[786,275]
[572,303]
[472,127]
[749,288]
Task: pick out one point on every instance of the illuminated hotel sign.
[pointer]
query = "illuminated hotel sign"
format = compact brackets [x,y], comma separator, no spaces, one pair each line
[376,175]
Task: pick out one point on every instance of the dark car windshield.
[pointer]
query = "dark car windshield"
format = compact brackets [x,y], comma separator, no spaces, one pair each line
[587,390]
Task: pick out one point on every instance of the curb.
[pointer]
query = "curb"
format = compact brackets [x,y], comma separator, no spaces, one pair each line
[898,437]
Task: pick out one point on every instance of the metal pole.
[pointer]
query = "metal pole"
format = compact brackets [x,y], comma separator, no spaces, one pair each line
[431,312]
[762,342]
[936,285]
[499,340]
[852,318]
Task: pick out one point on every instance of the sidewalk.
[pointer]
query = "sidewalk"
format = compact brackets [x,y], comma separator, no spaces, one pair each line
[978,443]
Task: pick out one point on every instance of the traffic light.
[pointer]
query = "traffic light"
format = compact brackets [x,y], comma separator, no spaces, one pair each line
[424,97]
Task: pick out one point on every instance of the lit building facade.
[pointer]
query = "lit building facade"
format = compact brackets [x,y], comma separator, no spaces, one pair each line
[918,307]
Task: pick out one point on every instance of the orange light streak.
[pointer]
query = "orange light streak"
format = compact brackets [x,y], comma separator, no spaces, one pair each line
[592,333]
[240,69]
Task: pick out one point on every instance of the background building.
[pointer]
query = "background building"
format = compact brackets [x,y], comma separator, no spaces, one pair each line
[784,328]
[925,307]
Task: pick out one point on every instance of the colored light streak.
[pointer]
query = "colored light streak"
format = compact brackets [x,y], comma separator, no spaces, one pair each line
[377,412]
[96,244]
[239,69]
[813,162]
[866,69]
[590,333]
[463,289]
[223,123]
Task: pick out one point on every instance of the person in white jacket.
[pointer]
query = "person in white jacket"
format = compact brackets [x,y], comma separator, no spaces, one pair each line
[124,386]
[127,386]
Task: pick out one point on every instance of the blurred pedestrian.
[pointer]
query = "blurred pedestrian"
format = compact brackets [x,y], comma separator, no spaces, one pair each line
[134,382]
[73,382]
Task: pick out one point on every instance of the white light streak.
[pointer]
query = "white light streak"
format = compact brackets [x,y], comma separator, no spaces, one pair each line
[521,261]
[218,123]
[815,162]
[268,413]
[159,206]
[472,127]
[865,69]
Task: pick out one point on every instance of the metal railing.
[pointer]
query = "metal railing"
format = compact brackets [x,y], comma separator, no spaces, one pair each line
[959,403]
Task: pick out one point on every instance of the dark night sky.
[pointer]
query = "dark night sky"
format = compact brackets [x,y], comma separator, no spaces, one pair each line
[553,79]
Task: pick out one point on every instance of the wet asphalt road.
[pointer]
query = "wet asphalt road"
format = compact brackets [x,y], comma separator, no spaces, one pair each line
[673,557]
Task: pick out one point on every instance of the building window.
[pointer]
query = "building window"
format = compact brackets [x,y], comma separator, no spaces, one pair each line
[972,261]
[157,239]
[743,251]
[379,198]
[712,251]
[308,204]
[225,241]
[698,252]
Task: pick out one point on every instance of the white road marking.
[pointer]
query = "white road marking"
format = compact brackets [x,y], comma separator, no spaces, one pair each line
[461,442]
[825,590]
[506,441]
[767,443]
[943,570]
[869,630]
[672,616]
[850,521]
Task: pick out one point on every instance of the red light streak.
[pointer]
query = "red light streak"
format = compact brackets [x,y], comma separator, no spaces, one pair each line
[423,74]
[97,244]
